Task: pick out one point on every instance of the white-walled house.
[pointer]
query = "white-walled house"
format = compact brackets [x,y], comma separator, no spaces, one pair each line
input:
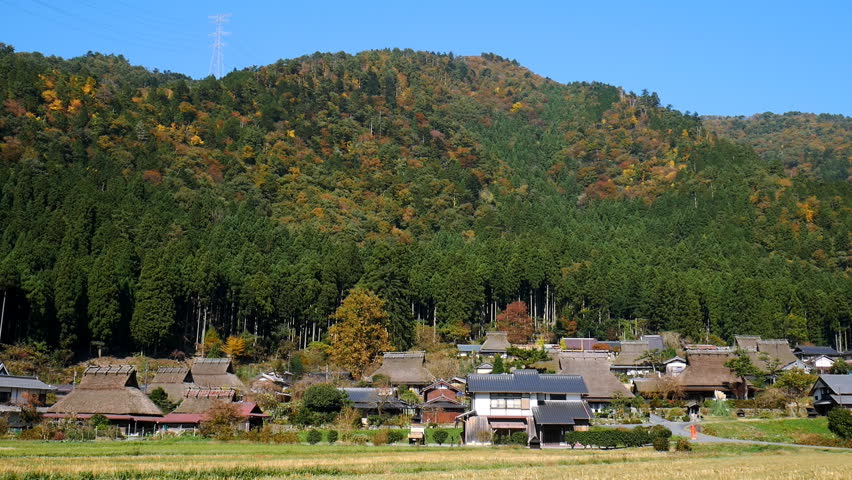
[832,391]
[674,366]
[544,406]
[20,390]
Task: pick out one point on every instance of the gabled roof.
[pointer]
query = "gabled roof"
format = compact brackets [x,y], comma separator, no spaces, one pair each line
[3,369]
[442,401]
[631,353]
[817,350]
[467,348]
[655,342]
[495,342]
[200,400]
[525,381]
[484,365]
[32,384]
[674,359]
[768,351]
[215,373]
[173,380]
[404,368]
[747,342]
[435,385]
[561,412]
[107,390]
[838,384]
[594,368]
[369,398]
[707,369]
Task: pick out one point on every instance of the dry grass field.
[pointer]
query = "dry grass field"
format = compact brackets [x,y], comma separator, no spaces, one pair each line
[212,460]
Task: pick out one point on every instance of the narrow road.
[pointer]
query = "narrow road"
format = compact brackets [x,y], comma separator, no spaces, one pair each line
[681,429]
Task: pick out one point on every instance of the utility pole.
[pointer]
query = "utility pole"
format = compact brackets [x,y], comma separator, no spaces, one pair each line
[217,60]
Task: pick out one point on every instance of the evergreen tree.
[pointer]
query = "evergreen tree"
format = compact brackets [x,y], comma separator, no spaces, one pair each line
[154,310]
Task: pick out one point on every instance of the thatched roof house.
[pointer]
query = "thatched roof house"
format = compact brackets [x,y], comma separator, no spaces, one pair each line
[495,342]
[707,373]
[630,358]
[107,390]
[404,368]
[215,373]
[775,351]
[594,367]
[747,342]
[200,400]
[173,380]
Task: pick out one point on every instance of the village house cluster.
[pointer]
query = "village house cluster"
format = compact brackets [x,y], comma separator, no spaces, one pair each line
[585,377]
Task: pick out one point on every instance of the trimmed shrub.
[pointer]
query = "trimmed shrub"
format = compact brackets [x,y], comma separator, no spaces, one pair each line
[661,444]
[609,438]
[660,431]
[331,436]
[519,438]
[840,422]
[685,418]
[683,445]
[285,437]
[380,438]
[440,436]
[395,436]
[314,436]
[4,427]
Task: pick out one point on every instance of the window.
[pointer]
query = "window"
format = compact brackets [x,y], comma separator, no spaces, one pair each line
[5,397]
[557,396]
[505,400]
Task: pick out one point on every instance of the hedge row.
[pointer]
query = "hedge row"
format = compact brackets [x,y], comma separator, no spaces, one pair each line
[618,438]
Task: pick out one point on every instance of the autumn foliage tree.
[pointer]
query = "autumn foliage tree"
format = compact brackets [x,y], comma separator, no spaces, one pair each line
[235,347]
[361,333]
[516,322]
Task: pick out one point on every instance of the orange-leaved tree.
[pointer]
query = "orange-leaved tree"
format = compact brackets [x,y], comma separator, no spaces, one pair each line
[516,322]
[361,333]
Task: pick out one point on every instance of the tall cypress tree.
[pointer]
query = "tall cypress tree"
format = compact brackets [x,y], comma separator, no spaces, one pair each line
[154,312]
[104,304]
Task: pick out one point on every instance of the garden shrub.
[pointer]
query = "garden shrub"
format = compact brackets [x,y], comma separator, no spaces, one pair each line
[675,414]
[660,431]
[661,444]
[685,418]
[609,438]
[331,436]
[285,437]
[395,436]
[4,427]
[683,445]
[440,436]
[314,436]
[840,422]
[519,438]
[380,438]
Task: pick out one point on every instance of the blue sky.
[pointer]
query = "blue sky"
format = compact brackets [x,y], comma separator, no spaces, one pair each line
[720,57]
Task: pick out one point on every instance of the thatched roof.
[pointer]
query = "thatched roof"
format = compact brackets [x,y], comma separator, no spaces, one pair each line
[404,368]
[215,373]
[630,354]
[707,370]
[747,342]
[173,380]
[773,350]
[107,390]
[594,368]
[201,400]
[495,342]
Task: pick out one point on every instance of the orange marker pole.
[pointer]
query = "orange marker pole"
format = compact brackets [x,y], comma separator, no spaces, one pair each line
[692,431]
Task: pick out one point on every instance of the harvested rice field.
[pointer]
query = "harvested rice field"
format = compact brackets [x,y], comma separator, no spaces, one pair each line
[213,460]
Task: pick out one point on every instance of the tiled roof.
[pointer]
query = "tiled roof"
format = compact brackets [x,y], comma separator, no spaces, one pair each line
[525,381]
[24,383]
[819,350]
[561,412]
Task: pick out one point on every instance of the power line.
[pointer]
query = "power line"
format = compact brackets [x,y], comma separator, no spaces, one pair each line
[217,60]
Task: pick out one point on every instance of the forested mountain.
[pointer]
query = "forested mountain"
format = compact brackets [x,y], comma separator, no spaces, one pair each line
[138,207]
[817,146]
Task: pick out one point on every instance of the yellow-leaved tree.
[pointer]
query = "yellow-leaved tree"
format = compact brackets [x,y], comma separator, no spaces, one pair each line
[234,347]
[361,333]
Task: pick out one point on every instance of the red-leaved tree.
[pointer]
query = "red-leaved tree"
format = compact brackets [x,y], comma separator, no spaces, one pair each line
[516,323]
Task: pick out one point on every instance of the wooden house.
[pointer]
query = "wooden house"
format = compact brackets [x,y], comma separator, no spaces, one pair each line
[113,392]
[441,409]
[175,381]
[630,360]
[442,388]
[544,406]
[215,373]
[832,391]
[594,368]
[20,390]
[707,373]
[404,368]
[377,401]
[495,342]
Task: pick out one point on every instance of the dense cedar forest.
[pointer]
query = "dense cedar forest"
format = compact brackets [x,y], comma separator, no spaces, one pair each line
[139,208]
